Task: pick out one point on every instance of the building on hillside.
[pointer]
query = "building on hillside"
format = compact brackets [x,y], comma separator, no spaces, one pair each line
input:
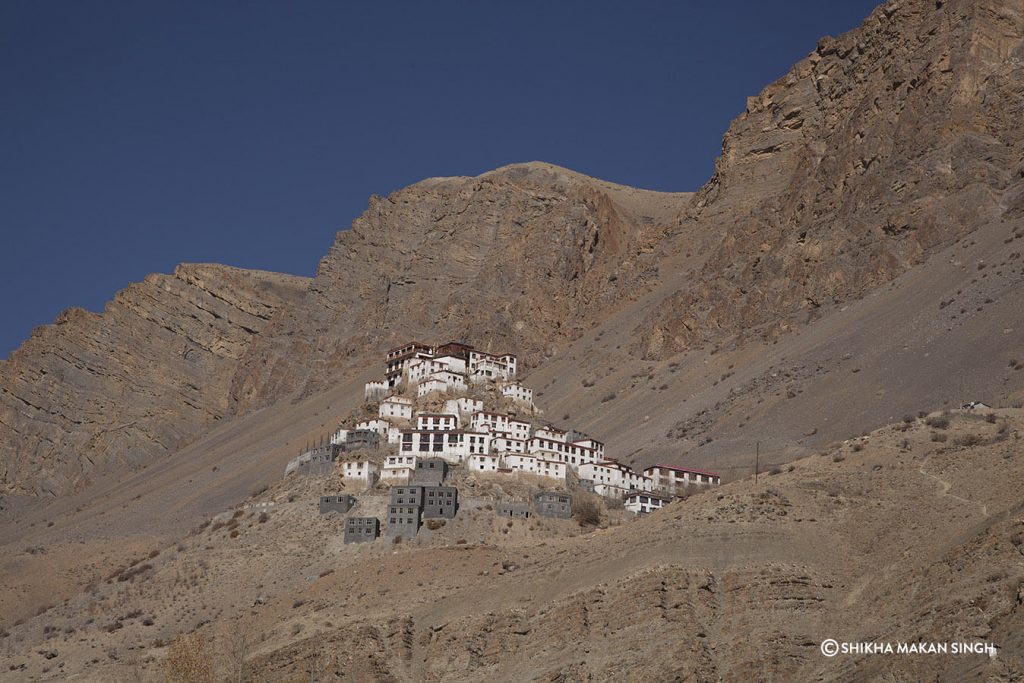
[403,520]
[340,503]
[377,425]
[339,436]
[499,423]
[453,446]
[543,445]
[586,485]
[440,502]
[552,504]
[399,357]
[361,471]
[515,509]
[374,391]
[357,439]
[642,502]
[550,433]
[613,479]
[484,463]
[453,381]
[407,495]
[674,480]
[419,369]
[398,469]
[433,422]
[463,406]
[451,363]
[518,393]
[361,529]
[505,443]
[429,471]
[394,434]
[580,439]
[455,349]
[397,407]
[491,366]
[531,464]
[431,386]
[319,460]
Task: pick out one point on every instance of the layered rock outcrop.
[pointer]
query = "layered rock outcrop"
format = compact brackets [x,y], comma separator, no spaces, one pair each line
[142,378]
[520,258]
[884,144]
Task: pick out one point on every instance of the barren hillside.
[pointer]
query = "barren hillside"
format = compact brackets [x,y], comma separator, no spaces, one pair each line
[857,259]
[911,533]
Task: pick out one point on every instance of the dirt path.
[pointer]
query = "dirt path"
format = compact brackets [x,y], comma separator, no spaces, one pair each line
[945,490]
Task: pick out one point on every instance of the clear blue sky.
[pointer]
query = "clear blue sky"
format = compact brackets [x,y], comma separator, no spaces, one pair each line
[137,135]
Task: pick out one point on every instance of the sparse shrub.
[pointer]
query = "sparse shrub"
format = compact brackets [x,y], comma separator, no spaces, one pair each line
[234,533]
[775,470]
[857,447]
[838,457]
[908,418]
[586,509]
[153,553]
[461,541]
[299,603]
[434,524]
[326,572]
[263,518]
[396,540]
[938,422]
[939,438]
[188,660]
[990,418]
[968,440]
[587,382]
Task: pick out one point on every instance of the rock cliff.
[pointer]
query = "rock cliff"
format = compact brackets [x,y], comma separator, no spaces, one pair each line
[881,146]
[142,378]
[521,258]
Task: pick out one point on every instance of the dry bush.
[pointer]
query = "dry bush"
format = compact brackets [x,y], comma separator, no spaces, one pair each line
[188,660]
[938,422]
[434,524]
[968,440]
[235,645]
[586,509]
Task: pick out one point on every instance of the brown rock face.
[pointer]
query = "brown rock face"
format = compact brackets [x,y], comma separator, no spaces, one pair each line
[895,139]
[521,258]
[140,379]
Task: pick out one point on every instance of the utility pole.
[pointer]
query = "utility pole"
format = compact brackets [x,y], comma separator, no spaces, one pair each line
[757,460]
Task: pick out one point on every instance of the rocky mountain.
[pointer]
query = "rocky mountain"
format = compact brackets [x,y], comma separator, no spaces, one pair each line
[523,258]
[848,278]
[879,148]
[140,379]
[874,156]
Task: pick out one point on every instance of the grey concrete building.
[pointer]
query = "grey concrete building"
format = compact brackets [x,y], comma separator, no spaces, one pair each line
[440,501]
[361,438]
[513,509]
[407,495]
[551,504]
[430,471]
[403,520]
[361,529]
[341,503]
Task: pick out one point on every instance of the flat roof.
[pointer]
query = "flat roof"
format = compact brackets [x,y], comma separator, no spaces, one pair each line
[683,469]
[407,344]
